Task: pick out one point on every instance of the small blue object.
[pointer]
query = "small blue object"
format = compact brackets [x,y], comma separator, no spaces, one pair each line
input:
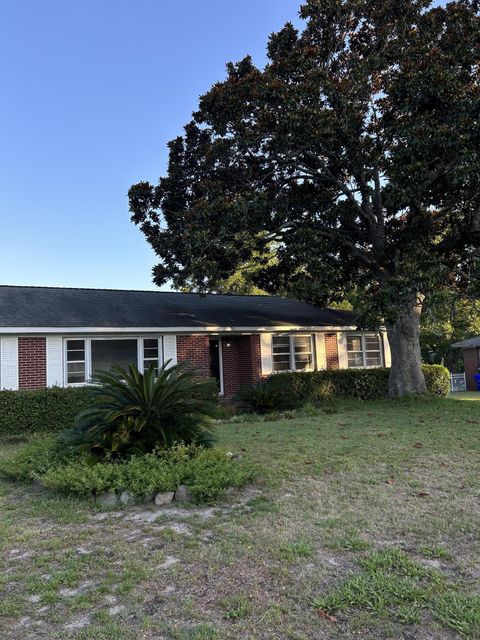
[477,380]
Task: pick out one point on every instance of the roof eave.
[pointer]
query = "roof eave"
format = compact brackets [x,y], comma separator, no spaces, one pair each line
[188,330]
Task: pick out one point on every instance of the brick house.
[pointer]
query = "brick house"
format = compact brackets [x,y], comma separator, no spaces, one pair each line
[53,336]
[471,359]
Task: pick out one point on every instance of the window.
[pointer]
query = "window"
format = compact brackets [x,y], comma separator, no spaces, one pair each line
[85,356]
[150,353]
[76,361]
[364,351]
[292,352]
[106,353]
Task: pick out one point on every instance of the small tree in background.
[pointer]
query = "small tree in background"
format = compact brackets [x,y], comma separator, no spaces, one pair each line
[354,154]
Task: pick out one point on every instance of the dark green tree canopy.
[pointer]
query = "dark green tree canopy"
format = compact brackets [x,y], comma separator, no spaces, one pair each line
[355,154]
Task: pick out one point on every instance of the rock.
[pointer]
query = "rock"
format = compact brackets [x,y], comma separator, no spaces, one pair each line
[107,499]
[164,498]
[125,498]
[148,499]
[182,494]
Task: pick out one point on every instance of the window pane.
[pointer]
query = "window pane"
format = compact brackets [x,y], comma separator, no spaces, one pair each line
[281,344]
[355,359]
[303,361]
[150,343]
[75,372]
[148,363]
[75,345]
[372,343]
[75,378]
[374,360]
[75,350]
[281,365]
[354,343]
[106,353]
[303,344]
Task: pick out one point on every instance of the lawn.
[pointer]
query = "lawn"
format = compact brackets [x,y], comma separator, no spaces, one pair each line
[364,523]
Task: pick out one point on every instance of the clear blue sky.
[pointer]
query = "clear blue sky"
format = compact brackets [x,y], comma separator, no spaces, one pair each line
[92,90]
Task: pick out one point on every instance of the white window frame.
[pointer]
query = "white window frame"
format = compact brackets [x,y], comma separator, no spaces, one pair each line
[363,337]
[291,337]
[88,354]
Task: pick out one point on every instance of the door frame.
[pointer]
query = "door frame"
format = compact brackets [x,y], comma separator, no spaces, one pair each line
[220,362]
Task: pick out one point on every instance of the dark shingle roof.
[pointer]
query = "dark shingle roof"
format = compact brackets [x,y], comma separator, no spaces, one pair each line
[32,307]
[469,343]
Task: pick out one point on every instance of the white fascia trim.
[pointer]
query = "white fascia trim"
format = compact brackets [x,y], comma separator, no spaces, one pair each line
[139,330]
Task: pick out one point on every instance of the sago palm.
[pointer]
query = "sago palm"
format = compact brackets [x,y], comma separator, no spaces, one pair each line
[133,412]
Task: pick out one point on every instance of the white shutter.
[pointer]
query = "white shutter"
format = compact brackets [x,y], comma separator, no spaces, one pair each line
[54,361]
[342,350]
[320,355]
[266,353]
[387,356]
[170,349]
[9,363]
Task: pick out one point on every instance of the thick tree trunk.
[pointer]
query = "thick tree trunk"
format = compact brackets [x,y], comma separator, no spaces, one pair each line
[406,375]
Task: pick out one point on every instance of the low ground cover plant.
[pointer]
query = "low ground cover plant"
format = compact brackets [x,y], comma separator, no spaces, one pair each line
[206,472]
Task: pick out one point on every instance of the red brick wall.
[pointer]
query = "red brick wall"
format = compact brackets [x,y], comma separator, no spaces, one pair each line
[471,361]
[250,359]
[241,362]
[331,351]
[195,349]
[32,363]
[231,365]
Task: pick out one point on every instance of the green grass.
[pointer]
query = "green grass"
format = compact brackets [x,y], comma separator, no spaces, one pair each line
[290,551]
[367,510]
[393,585]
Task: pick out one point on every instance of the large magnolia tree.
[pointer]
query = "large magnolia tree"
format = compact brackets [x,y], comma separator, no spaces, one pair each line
[354,156]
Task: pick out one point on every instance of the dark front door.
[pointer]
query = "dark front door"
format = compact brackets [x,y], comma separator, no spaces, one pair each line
[215,360]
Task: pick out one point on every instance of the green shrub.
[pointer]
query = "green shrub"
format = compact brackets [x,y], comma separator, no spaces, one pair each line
[207,472]
[437,379]
[42,410]
[134,413]
[274,394]
[362,384]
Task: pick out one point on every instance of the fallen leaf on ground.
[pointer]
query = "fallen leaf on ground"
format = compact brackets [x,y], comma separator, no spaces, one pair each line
[326,616]
[391,480]
[308,462]
[422,494]
[418,445]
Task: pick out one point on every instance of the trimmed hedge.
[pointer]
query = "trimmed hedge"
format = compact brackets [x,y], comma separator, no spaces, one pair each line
[363,384]
[42,410]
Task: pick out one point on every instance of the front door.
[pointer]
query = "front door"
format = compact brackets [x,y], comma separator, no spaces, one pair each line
[215,361]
